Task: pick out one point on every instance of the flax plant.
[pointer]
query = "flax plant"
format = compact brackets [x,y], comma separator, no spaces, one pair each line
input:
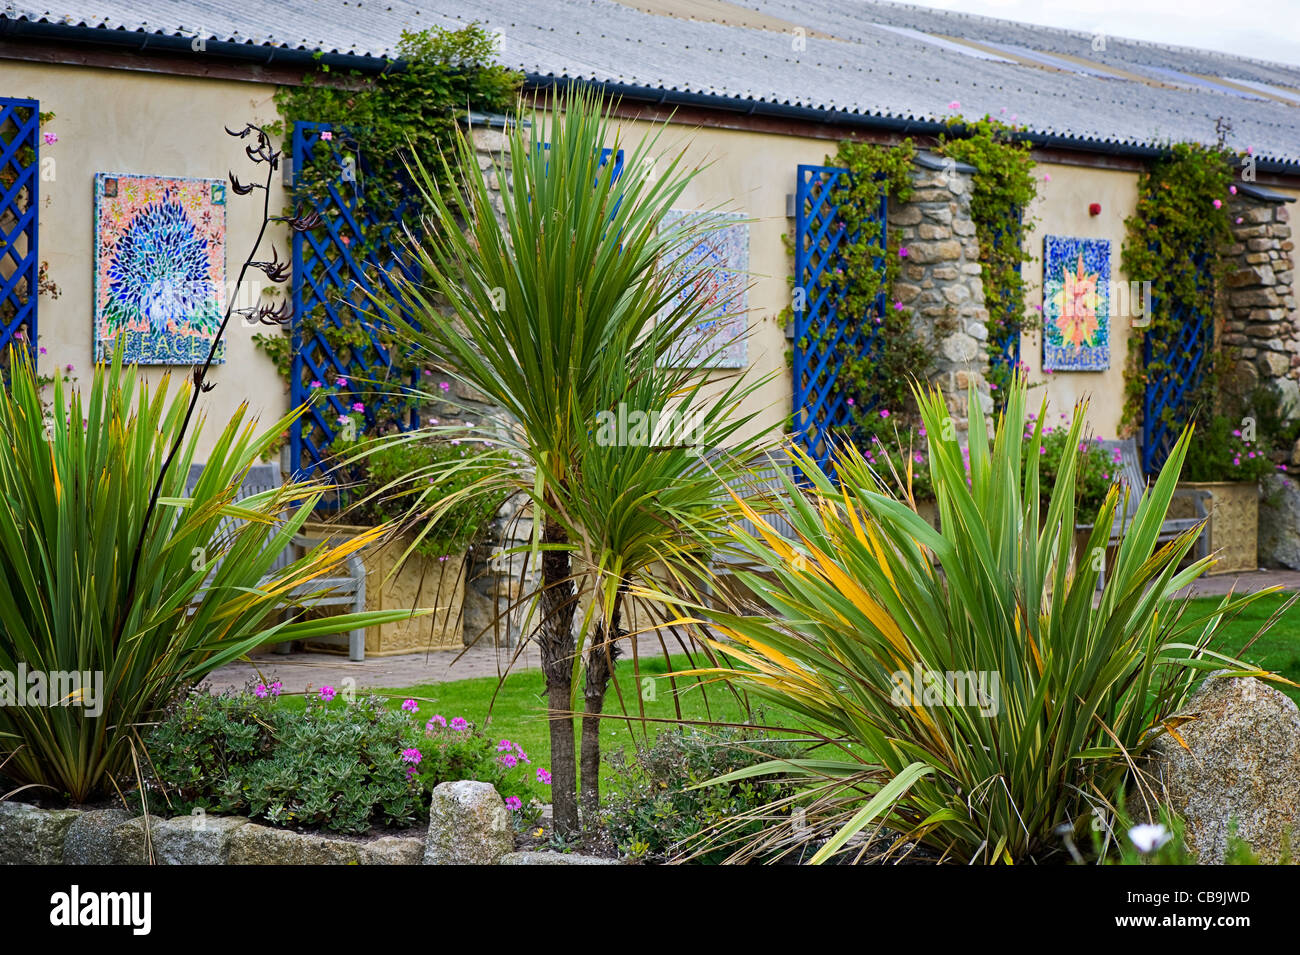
[995,714]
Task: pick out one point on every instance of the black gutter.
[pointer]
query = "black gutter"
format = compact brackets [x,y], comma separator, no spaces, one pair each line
[137,42]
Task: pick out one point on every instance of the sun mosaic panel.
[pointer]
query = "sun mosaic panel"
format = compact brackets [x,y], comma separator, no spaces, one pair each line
[1076,304]
[719,260]
[160,267]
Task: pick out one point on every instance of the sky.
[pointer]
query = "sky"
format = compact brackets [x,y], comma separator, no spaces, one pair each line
[1262,29]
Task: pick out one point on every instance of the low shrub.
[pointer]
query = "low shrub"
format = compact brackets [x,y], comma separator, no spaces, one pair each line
[661,813]
[337,764]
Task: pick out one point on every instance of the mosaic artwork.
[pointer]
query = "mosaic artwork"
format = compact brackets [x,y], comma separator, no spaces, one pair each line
[721,264]
[160,267]
[1076,304]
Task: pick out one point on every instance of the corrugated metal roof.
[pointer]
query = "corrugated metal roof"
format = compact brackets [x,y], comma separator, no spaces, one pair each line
[858,57]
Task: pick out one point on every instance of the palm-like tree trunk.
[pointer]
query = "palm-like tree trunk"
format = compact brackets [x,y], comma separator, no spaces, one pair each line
[601,655]
[556,645]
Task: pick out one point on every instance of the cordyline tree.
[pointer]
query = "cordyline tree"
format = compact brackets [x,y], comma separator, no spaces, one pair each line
[573,311]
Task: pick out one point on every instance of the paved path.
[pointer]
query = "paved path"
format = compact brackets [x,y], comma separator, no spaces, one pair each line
[298,670]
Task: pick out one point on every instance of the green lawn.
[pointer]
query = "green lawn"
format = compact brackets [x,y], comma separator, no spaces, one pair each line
[518,709]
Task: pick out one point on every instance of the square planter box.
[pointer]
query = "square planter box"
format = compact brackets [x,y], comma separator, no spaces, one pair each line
[420,583]
[1234,522]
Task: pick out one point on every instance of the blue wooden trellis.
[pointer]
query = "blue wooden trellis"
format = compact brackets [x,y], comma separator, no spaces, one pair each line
[1006,345]
[822,413]
[331,278]
[1168,389]
[20,125]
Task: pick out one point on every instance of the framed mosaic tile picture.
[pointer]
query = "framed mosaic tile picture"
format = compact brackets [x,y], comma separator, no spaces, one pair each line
[1076,304]
[160,267]
[721,265]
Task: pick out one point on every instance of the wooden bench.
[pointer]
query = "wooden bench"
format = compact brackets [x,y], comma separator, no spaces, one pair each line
[347,590]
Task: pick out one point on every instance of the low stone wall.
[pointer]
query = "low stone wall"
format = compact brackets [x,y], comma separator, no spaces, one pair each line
[468,825]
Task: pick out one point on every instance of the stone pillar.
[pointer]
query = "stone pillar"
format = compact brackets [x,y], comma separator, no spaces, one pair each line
[1260,320]
[940,279]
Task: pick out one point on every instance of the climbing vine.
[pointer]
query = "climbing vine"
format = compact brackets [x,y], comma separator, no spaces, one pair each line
[1002,189]
[1175,240]
[379,125]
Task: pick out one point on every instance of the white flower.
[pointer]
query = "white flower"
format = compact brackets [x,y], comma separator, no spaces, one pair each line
[1149,837]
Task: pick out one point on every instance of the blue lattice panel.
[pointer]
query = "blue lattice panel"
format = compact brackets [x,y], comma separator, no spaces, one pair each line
[20,130]
[1007,343]
[332,276]
[822,333]
[1166,400]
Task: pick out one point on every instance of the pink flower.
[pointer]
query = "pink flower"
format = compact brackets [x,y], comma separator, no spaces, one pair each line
[543,777]
[411,756]
[514,804]
[505,746]
[259,691]
[435,720]
[313,384]
[327,136]
[343,419]
[902,251]
[508,761]
[341,382]
[410,706]
[50,139]
[918,458]
[1240,220]
[71,368]
[1047,176]
[1232,189]
[358,407]
[444,386]
[459,725]
[884,412]
[327,693]
[954,105]
[42,349]
[850,402]
[1218,203]
[276,687]
[898,306]
[921,432]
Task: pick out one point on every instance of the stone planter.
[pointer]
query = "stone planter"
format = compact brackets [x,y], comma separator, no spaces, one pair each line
[1234,522]
[420,583]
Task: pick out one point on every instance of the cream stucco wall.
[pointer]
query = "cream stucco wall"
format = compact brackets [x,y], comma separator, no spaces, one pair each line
[145,123]
[122,121]
[1061,208]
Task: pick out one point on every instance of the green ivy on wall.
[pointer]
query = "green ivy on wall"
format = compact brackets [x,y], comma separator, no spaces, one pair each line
[1175,240]
[1002,189]
[407,113]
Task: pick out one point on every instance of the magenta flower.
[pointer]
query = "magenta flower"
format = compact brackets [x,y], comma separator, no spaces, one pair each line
[259,691]
[505,746]
[411,756]
[514,803]
[71,368]
[921,432]
[850,402]
[327,693]
[902,251]
[898,306]
[459,725]
[343,419]
[314,384]
[341,382]
[1218,203]
[884,412]
[1047,176]
[42,349]
[435,720]
[918,459]
[276,687]
[327,136]
[50,139]
[954,105]
[444,386]
[543,777]
[1233,190]
[508,761]
[410,706]
[358,406]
